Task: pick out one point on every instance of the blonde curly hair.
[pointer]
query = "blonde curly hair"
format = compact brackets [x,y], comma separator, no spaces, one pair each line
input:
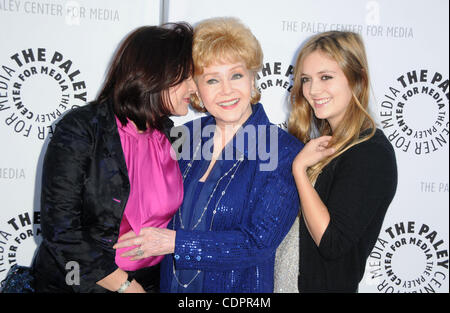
[223,40]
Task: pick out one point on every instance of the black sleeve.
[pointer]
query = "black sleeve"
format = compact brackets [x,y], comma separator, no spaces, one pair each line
[64,172]
[365,181]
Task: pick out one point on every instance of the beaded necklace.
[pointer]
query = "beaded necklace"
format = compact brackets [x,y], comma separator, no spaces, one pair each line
[235,166]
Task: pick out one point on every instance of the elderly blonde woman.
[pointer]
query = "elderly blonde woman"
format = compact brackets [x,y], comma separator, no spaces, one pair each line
[240,198]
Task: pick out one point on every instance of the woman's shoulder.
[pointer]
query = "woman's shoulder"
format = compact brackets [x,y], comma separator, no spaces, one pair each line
[289,142]
[192,128]
[89,115]
[372,161]
[287,147]
[200,121]
[80,114]
[277,151]
[84,121]
[378,141]
[377,151]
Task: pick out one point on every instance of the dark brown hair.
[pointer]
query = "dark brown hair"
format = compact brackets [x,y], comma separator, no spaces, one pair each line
[150,60]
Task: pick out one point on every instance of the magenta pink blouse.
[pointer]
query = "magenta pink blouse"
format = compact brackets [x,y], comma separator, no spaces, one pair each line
[156,186]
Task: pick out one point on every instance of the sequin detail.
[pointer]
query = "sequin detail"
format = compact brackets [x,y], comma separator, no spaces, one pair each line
[287,262]
[18,280]
[252,219]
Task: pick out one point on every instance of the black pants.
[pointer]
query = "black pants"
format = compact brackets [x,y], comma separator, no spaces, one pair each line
[148,278]
[54,281]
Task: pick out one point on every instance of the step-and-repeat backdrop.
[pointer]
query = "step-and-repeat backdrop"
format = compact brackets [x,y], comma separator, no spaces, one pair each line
[53,58]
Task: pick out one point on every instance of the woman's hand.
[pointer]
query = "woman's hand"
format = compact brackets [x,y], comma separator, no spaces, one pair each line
[312,153]
[151,241]
[314,211]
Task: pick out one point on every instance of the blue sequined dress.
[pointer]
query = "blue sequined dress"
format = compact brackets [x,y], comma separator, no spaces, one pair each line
[235,249]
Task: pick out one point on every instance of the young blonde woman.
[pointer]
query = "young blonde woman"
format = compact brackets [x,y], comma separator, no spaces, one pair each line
[346,174]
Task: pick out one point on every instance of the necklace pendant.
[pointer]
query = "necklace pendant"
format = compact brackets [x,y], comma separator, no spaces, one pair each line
[185,285]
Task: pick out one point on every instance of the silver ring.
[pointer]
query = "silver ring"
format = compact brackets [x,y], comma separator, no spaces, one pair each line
[139,252]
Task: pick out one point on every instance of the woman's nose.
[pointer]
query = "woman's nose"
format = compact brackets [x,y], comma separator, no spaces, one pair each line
[226,87]
[315,88]
[192,86]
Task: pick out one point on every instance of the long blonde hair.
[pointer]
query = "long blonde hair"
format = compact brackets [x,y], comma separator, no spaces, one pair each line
[347,49]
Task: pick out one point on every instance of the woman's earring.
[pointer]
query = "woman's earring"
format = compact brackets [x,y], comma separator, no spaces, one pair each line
[200,102]
[253,95]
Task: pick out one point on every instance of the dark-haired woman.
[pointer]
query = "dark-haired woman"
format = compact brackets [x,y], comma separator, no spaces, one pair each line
[110,168]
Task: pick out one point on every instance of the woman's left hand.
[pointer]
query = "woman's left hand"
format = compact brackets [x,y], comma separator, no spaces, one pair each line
[312,153]
[151,241]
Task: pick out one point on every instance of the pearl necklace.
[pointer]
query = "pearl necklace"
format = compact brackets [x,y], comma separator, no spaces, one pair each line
[188,168]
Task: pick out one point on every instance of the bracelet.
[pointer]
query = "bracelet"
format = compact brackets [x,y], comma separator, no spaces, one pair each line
[124,286]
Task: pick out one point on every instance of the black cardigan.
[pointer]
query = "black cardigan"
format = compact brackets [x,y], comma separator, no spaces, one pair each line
[85,188]
[357,188]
